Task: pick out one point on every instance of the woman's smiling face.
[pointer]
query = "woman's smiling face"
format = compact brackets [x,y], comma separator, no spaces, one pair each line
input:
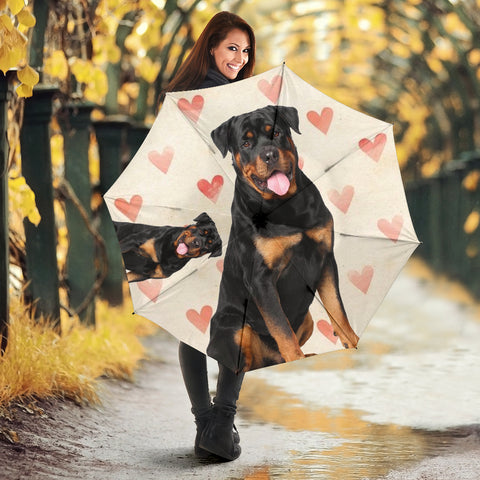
[231,54]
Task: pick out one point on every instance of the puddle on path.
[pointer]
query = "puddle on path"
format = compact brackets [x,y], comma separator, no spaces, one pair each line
[365,450]
[401,398]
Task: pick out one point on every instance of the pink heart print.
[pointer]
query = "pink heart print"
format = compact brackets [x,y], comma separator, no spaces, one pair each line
[151,288]
[327,330]
[362,280]
[271,89]
[219,265]
[162,160]
[200,320]
[129,208]
[192,109]
[391,229]
[342,200]
[321,121]
[373,149]
[211,189]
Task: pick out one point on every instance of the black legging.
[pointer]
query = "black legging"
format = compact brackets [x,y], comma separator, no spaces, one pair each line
[194,370]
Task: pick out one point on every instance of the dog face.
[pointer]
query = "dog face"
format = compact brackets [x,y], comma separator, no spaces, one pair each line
[199,239]
[265,157]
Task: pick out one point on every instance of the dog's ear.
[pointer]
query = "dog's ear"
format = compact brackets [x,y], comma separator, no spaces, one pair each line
[217,249]
[290,116]
[220,137]
[203,218]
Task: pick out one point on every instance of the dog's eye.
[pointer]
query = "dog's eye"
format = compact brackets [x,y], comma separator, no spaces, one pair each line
[246,144]
[276,133]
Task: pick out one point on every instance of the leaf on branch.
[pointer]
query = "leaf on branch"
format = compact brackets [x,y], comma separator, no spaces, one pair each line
[26,18]
[15,5]
[28,76]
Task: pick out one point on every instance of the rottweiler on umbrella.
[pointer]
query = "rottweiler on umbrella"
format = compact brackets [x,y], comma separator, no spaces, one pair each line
[280,250]
[159,251]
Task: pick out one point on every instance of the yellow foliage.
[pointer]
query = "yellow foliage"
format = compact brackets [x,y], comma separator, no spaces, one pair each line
[21,199]
[56,65]
[472,222]
[26,18]
[13,51]
[57,151]
[105,49]
[471,181]
[6,22]
[40,363]
[81,69]
[28,76]
[97,87]
[455,27]
[15,5]
[148,70]
[93,77]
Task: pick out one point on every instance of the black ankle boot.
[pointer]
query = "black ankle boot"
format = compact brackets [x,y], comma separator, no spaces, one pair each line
[201,422]
[219,436]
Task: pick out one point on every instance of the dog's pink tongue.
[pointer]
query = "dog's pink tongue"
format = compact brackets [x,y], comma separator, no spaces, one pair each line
[278,183]
[182,249]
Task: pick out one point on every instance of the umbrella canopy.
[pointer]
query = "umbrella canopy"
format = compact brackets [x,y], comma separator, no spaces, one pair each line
[262,221]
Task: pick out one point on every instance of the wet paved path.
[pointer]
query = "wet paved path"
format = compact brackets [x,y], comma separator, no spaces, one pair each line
[409,393]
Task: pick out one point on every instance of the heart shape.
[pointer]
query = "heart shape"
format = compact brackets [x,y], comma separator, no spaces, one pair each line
[301,163]
[321,121]
[151,288]
[192,109]
[211,189]
[200,320]
[362,280]
[162,160]
[129,208]
[342,200]
[373,149]
[220,265]
[271,89]
[391,229]
[327,330]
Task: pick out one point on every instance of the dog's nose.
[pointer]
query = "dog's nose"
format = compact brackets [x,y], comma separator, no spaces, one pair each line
[269,155]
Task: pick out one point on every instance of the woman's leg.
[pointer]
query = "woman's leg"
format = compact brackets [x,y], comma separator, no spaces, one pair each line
[228,388]
[220,436]
[194,370]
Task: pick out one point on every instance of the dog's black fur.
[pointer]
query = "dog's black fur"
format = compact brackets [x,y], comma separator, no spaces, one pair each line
[151,252]
[280,250]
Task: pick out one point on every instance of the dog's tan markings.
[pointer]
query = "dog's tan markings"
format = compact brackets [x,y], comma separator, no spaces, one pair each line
[322,234]
[286,339]
[249,134]
[149,248]
[255,351]
[273,249]
[305,330]
[158,273]
[268,128]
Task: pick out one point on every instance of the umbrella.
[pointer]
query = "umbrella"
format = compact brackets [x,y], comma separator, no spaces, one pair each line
[305,221]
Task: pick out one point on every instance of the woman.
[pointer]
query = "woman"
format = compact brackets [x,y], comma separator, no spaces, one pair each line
[224,52]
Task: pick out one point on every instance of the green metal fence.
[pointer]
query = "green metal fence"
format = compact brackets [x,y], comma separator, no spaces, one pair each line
[445,210]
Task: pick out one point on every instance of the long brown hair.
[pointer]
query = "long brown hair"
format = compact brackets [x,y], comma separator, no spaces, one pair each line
[194,69]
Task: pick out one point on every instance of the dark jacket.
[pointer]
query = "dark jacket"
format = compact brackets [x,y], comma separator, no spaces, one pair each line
[213,79]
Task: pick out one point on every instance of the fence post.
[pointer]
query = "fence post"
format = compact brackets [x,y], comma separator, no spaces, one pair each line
[41,240]
[74,120]
[135,137]
[111,138]
[5,93]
